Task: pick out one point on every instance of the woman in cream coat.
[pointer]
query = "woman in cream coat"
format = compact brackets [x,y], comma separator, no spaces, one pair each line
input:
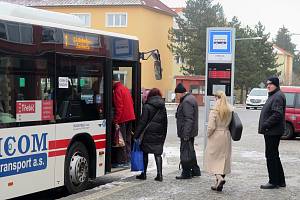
[218,150]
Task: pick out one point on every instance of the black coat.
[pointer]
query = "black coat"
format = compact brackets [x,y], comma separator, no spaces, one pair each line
[272,116]
[155,135]
[187,117]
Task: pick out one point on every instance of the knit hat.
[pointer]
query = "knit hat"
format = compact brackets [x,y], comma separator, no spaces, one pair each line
[273,80]
[180,88]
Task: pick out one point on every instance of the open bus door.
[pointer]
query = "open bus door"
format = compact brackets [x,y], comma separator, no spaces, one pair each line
[129,74]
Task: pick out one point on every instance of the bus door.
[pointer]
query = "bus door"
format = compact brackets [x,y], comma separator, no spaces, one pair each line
[128,73]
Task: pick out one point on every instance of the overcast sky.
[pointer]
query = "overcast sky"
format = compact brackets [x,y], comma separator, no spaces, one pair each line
[272,13]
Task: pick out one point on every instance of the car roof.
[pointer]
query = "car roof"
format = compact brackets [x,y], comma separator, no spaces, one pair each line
[259,88]
[290,89]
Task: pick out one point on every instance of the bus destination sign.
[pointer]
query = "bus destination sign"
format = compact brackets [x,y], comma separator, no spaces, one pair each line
[81,41]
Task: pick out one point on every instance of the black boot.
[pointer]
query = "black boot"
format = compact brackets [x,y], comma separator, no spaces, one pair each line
[143,175]
[196,172]
[158,161]
[269,186]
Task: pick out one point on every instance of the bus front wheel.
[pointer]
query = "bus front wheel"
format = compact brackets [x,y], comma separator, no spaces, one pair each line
[77,168]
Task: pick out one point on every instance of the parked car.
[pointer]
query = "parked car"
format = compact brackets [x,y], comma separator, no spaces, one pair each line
[256,98]
[292,112]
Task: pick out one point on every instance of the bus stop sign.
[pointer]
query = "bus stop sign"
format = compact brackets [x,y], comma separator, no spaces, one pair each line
[220,44]
[220,47]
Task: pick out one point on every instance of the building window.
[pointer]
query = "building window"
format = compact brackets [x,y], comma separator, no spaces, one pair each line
[177,58]
[84,17]
[116,19]
[197,89]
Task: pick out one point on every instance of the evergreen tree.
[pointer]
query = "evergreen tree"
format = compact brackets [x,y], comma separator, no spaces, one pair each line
[189,40]
[296,69]
[284,40]
[266,57]
[255,60]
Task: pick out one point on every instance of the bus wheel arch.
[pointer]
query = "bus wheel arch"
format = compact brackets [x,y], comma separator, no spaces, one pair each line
[79,163]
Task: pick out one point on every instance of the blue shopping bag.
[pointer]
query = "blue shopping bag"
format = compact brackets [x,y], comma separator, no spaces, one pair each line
[137,159]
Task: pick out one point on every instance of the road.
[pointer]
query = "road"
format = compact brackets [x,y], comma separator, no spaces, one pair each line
[248,171]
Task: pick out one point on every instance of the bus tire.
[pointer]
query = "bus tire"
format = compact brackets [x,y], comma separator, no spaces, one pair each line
[288,132]
[77,168]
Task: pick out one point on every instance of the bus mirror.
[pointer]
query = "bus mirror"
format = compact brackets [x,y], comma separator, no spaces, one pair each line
[157,64]
[156,56]
[157,70]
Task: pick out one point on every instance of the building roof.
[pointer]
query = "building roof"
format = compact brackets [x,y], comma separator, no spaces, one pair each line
[178,10]
[175,3]
[281,51]
[152,4]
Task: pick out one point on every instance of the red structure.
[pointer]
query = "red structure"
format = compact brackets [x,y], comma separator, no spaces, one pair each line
[195,85]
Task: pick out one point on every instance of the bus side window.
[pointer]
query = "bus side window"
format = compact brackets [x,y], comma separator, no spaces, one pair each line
[71,109]
[4,116]
[84,91]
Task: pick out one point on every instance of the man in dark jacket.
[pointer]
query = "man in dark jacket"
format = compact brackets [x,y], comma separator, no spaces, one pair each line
[271,125]
[187,129]
[124,115]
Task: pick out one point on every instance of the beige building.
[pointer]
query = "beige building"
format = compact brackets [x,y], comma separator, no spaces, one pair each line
[178,62]
[149,20]
[285,62]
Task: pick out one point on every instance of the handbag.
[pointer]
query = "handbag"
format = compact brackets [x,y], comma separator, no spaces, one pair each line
[235,127]
[137,159]
[187,153]
[118,139]
[143,132]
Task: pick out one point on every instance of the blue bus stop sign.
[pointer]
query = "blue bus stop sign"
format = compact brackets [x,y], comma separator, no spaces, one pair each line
[220,42]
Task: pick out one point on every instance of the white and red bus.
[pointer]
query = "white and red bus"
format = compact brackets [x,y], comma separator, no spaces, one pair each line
[56,99]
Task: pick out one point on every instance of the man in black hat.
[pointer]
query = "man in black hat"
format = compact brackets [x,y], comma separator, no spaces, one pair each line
[271,125]
[187,130]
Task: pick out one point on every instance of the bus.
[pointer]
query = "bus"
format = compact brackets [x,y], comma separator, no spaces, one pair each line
[56,99]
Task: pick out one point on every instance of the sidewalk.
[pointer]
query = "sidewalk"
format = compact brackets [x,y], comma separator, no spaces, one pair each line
[239,186]
[248,173]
